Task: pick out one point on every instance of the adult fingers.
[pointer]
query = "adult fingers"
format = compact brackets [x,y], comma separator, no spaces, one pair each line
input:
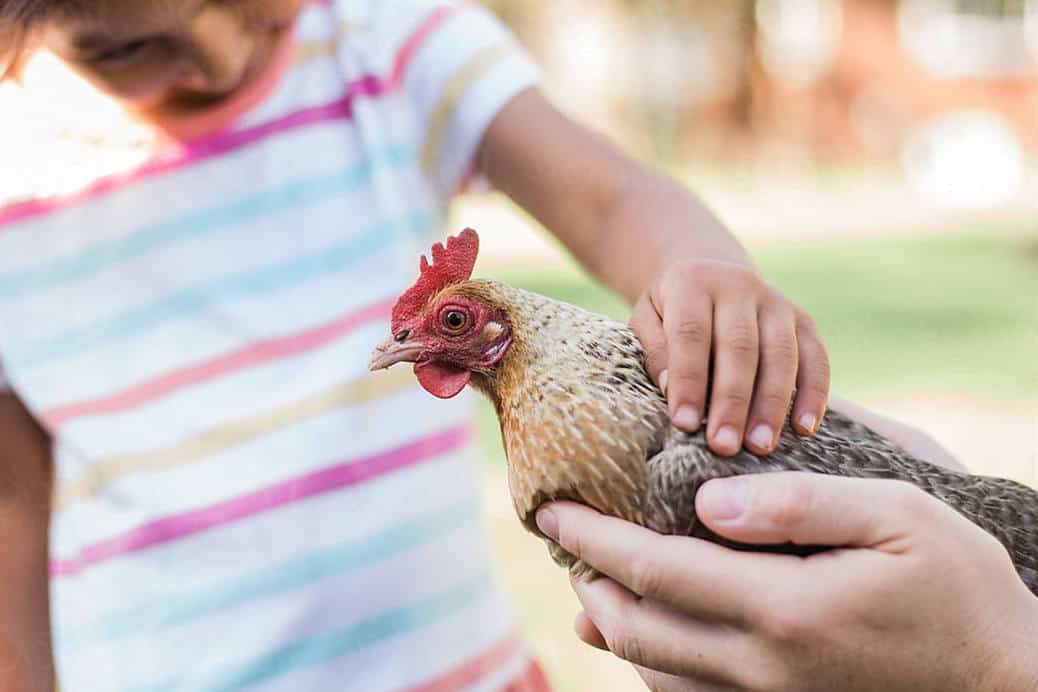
[696,577]
[813,509]
[646,634]
[662,682]
[588,631]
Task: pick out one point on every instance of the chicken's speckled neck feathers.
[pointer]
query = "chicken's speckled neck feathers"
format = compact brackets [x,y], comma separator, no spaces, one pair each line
[578,414]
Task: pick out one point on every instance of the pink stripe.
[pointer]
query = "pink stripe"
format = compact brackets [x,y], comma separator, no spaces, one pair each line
[224,142]
[415,41]
[533,679]
[250,356]
[198,151]
[474,670]
[344,475]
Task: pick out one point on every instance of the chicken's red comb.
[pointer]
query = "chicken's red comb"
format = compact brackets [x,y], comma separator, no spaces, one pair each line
[450,265]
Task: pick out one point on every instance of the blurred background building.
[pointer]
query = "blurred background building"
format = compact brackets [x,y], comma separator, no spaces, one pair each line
[828,80]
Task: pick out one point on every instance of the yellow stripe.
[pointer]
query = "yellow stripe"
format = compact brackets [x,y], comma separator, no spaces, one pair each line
[312,50]
[218,439]
[474,68]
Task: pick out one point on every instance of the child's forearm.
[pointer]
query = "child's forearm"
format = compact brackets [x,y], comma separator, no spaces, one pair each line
[26,662]
[670,225]
[619,219]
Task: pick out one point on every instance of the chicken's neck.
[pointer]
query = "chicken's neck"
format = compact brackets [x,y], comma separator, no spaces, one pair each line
[578,413]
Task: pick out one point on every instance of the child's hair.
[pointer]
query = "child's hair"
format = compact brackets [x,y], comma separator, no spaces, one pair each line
[17,19]
[23,14]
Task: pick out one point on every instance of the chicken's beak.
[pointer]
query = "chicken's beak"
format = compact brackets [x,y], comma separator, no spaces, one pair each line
[390,352]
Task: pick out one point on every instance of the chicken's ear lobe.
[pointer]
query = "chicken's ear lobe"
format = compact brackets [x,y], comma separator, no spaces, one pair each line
[451,264]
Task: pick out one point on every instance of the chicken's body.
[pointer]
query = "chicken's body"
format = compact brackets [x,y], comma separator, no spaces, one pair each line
[581,420]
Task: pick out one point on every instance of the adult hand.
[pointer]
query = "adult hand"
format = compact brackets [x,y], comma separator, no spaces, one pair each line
[917,598]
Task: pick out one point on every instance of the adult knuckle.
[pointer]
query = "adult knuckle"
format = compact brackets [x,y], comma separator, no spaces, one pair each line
[788,624]
[571,541]
[626,645]
[910,501]
[654,681]
[791,503]
[765,676]
[646,577]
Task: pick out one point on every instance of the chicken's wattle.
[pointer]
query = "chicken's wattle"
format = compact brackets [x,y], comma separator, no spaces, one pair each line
[442,380]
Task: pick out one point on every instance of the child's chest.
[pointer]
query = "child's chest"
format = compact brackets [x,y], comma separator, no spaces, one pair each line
[213,288]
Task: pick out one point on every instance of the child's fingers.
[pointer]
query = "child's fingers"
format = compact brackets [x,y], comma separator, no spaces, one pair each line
[736,352]
[647,326]
[812,378]
[776,377]
[687,324]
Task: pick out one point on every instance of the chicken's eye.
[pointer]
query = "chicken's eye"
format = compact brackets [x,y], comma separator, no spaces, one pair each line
[455,320]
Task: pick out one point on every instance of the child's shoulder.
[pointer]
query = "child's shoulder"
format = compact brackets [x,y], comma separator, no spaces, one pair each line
[380,28]
[88,141]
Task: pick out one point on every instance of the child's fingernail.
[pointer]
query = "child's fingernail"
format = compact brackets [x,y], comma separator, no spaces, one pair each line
[807,422]
[686,417]
[727,438]
[762,437]
[663,382]
[723,499]
[548,523]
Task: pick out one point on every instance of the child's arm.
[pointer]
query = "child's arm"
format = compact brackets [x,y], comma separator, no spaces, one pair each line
[25,487]
[699,302]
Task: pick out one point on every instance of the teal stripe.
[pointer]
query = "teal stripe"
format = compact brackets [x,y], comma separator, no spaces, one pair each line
[267,280]
[326,647]
[176,610]
[296,194]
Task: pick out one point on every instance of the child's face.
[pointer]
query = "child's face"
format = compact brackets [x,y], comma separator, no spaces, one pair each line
[172,57]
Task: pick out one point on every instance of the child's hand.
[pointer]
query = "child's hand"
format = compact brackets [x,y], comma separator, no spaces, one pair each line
[722,319]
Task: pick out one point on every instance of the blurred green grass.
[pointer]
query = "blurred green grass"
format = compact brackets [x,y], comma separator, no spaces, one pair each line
[954,314]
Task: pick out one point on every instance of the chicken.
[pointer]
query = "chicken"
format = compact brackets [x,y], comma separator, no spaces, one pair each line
[581,419]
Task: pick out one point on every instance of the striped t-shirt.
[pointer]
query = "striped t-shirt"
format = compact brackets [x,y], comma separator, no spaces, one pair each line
[239,504]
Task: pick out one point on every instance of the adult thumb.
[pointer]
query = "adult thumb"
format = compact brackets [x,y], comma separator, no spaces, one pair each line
[812,509]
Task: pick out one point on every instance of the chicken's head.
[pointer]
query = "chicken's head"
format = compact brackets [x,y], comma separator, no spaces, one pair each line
[444,323]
